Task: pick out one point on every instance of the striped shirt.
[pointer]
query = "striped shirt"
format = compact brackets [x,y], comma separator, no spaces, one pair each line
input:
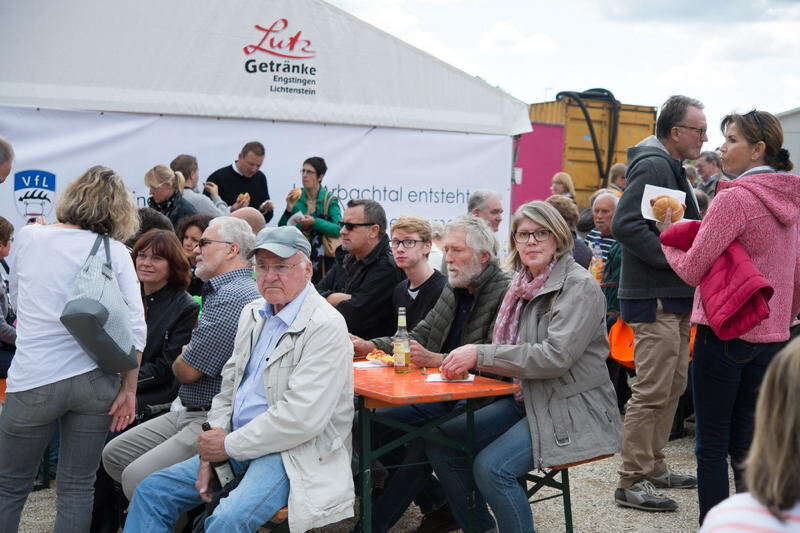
[743,513]
[593,238]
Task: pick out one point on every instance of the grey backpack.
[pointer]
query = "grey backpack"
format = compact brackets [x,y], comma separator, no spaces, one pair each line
[97,316]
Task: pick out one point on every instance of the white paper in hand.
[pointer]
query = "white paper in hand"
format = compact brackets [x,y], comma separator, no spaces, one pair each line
[651,191]
[295,219]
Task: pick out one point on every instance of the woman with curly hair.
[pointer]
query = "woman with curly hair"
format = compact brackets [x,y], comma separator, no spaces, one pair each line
[52,381]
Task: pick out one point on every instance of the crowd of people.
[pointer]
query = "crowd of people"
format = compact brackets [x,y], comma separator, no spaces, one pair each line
[245,335]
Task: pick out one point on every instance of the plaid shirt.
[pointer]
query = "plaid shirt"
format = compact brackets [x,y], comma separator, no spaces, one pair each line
[211,346]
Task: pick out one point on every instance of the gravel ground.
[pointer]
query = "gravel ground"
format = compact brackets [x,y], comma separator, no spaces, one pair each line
[593,508]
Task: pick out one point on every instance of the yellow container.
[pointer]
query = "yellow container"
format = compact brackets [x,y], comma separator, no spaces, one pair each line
[635,123]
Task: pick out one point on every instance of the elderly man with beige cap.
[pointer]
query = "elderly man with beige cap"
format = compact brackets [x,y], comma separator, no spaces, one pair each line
[283,416]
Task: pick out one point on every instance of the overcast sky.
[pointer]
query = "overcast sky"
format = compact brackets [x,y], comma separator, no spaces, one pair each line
[733,55]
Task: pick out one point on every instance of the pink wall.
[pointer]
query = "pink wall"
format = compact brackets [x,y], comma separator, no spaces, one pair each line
[540,155]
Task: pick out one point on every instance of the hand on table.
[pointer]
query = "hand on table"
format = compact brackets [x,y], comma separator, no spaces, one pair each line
[422,357]
[460,360]
[360,346]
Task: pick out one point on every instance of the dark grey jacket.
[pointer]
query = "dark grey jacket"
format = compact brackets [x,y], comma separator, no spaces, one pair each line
[645,271]
[489,289]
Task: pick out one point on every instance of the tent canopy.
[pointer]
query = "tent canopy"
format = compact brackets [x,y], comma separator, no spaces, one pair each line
[287,60]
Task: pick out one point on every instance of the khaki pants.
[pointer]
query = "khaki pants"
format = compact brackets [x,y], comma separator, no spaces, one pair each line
[158,443]
[662,363]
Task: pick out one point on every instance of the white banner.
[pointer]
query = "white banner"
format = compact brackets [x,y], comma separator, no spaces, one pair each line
[425,173]
[290,60]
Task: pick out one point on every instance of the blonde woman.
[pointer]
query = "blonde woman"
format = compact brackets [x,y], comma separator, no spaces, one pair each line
[52,382]
[773,501]
[166,186]
[562,184]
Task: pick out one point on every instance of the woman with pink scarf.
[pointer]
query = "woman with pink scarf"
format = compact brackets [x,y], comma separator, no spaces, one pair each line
[550,337]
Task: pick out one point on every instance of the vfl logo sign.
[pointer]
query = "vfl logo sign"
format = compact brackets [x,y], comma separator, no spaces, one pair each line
[286,46]
[34,192]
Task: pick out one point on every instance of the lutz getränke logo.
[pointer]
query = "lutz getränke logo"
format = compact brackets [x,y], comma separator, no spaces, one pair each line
[34,192]
[291,74]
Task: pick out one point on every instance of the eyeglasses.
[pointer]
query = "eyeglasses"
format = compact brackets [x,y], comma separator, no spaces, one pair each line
[407,243]
[306,171]
[203,242]
[156,187]
[757,119]
[349,226]
[699,131]
[540,235]
[281,269]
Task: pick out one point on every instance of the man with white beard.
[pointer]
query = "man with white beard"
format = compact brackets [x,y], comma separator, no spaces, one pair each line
[463,314]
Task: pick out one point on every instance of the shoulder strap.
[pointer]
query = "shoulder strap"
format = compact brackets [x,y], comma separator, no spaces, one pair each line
[326,203]
[103,238]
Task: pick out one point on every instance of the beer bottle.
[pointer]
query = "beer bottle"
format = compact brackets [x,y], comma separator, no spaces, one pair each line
[400,348]
[222,468]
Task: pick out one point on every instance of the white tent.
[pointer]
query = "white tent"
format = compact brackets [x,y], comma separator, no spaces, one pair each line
[132,84]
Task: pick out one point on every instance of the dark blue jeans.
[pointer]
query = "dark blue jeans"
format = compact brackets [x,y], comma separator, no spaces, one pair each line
[414,480]
[727,376]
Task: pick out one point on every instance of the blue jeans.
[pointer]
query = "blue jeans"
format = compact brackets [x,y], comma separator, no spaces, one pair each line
[410,482]
[164,495]
[503,443]
[78,407]
[727,376]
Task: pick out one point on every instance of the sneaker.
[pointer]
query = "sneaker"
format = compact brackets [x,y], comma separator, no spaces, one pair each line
[439,521]
[673,480]
[642,495]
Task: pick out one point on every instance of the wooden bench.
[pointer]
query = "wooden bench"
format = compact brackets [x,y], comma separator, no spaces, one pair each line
[548,479]
[280,521]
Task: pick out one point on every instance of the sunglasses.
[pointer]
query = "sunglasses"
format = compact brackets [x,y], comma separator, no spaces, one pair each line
[349,226]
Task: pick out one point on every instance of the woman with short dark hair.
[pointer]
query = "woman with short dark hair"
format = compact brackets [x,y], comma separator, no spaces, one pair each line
[321,214]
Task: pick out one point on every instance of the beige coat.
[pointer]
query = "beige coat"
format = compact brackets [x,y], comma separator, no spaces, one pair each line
[569,399]
[308,383]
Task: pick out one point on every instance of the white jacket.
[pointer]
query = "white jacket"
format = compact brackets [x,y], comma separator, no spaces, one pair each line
[308,382]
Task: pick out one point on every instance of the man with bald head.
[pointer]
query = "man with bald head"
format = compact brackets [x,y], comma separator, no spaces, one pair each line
[252,216]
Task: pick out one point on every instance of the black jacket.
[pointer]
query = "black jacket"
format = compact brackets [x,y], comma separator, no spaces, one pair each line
[645,271]
[370,281]
[170,315]
[174,209]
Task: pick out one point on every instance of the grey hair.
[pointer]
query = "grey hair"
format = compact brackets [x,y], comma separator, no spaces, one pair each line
[711,157]
[437,230]
[611,195]
[6,151]
[673,112]
[237,231]
[479,198]
[480,236]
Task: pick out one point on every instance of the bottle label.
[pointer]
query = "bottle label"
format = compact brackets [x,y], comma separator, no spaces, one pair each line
[224,473]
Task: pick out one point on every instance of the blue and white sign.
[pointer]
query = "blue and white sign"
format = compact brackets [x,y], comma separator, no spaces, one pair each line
[34,193]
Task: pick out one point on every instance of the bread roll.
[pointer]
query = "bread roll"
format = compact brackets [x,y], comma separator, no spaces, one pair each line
[662,203]
[295,194]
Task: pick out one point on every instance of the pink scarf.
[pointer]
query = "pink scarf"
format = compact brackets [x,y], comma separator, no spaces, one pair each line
[523,289]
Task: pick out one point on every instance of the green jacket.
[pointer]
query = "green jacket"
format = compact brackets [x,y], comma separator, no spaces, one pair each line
[432,331]
[329,228]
